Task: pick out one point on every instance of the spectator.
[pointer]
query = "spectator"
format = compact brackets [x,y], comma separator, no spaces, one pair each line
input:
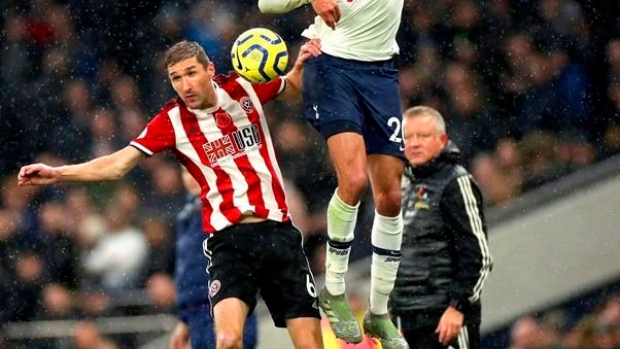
[86,335]
[117,259]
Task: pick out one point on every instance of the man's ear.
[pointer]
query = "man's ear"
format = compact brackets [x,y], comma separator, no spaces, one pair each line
[444,139]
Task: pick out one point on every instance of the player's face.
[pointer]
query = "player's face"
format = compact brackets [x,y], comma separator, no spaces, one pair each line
[423,142]
[192,82]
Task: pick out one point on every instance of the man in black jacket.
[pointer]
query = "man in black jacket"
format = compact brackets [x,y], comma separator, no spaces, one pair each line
[445,255]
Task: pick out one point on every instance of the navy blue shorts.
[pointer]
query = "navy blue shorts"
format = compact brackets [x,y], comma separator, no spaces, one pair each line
[266,257]
[201,330]
[342,95]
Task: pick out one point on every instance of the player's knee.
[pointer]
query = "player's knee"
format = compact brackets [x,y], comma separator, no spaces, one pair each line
[388,202]
[353,185]
[229,341]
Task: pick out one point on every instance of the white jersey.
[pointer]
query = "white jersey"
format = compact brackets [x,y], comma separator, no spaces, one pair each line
[366,31]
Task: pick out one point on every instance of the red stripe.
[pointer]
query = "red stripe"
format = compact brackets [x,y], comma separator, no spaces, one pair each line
[255,194]
[276,185]
[195,171]
[236,92]
[222,179]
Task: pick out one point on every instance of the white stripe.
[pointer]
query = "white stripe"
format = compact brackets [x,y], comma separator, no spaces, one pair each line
[482,242]
[261,167]
[217,220]
[466,336]
[239,183]
[141,147]
[475,222]
[463,338]
[254,158]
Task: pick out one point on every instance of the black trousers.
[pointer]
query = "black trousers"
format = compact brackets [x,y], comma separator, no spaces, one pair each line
[426,338]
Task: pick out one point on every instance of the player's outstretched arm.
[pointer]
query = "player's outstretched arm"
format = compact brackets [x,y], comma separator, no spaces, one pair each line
[294,87]
[326,9]
[104,168]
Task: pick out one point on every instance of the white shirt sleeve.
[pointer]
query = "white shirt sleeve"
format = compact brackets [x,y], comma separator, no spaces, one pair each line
[280,6]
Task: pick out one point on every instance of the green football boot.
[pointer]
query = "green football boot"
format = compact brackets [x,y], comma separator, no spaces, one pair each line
[343,322]
[383,329]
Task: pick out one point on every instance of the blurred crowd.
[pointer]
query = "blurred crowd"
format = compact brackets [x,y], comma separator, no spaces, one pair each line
[530,90]
[598,329]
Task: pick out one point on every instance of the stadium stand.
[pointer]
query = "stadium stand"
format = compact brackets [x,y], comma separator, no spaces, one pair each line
[530,90]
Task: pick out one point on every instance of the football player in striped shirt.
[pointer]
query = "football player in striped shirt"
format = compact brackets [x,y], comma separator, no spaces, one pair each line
[217,129]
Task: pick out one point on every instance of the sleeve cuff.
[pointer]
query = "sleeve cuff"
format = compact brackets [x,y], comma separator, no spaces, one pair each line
[457,304]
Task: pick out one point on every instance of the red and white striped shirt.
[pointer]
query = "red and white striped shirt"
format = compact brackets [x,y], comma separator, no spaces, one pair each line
[227,149]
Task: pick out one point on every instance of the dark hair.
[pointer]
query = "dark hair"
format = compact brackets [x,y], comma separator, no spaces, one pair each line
[184,50]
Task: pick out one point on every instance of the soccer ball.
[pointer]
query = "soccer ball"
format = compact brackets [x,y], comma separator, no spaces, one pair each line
[259,55]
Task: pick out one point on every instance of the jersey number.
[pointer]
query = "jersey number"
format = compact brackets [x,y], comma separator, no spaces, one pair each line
[394,123]
[310,286]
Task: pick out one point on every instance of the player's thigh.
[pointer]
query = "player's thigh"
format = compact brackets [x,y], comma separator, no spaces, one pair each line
[229,317]
[287,284]
[380,96]
[305,332]
[330,97]
[201,330]
[232,269]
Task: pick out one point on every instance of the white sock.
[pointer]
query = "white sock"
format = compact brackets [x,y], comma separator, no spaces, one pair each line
[387,236]
[341,219]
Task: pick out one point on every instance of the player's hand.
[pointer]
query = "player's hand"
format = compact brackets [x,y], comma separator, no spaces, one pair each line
[328,10]
[311,48]
[37,174]
[449,326]
[180,337]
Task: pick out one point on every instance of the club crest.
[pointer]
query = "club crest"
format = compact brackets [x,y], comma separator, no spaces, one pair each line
[214,287]
[246,104]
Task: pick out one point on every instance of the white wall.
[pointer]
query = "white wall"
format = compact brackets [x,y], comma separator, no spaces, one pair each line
[553,253]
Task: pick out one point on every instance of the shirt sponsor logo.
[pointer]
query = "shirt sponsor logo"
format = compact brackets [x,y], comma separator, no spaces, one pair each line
[233,145]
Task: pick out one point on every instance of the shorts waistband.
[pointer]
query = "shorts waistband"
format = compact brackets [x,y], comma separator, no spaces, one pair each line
[350,62]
